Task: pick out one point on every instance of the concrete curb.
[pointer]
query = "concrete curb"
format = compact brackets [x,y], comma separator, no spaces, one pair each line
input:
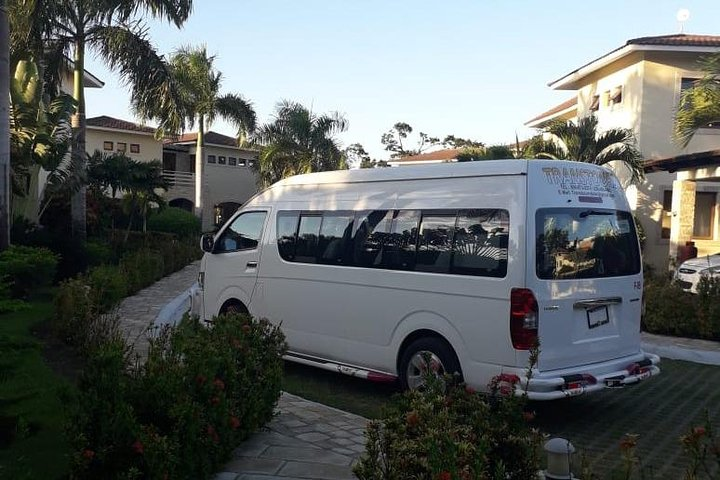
[675,352]
[173,312]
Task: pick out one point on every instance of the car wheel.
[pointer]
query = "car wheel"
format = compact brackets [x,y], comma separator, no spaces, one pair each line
[428,354]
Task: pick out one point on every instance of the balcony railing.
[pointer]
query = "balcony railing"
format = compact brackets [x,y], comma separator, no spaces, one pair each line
[178,179]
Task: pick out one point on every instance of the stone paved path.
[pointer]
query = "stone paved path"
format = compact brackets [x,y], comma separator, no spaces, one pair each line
[305,441]
[138,312]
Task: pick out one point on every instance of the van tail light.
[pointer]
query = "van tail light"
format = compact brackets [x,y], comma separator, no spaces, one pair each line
[523,318]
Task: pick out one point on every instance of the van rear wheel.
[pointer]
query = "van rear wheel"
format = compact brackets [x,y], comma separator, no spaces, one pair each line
[426,355]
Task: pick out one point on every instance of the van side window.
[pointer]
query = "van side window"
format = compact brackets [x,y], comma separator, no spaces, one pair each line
[287,224]
[481,243]
[334,243]
[307,238]
[434,251]
[399,249]
[242,234]
[371,231]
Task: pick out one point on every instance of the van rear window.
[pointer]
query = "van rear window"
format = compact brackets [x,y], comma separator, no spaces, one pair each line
[585,243]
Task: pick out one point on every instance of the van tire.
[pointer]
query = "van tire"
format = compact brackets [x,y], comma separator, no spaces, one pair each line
[234,307]
[438,348]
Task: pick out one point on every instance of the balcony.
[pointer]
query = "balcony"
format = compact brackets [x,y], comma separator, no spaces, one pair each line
[178,179]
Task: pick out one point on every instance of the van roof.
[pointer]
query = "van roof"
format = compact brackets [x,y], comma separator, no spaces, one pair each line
[445,170]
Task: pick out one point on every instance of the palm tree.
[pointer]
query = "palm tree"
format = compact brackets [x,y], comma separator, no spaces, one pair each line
[4,129]
[299,141]
[581,141]
[112,30]
[699,105]
[200,102]
[141,184]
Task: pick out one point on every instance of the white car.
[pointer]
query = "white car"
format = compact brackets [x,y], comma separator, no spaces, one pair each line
[690,272]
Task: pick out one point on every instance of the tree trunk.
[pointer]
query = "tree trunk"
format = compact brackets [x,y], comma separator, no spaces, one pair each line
[78,207]
[4,129]
[199,158]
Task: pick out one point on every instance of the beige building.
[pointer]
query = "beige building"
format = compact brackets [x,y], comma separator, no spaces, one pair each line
[228,179]
[638,86]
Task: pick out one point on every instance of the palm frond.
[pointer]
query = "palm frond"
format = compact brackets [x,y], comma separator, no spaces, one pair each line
[239,112]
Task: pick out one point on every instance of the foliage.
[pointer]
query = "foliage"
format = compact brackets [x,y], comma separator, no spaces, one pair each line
[111,172]
[451,141]
[699,105]
[449,431]
[669,310]
[471,154]
[175,220]
[201,390]
[582,142]
[8,304]
[27,269]
[141,269]
[298,141]
[144,181]
[393,141]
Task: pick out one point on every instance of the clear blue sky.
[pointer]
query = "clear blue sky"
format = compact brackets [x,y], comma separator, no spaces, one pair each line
[473,68]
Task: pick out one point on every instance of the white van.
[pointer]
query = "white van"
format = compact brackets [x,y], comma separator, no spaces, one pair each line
[464,267]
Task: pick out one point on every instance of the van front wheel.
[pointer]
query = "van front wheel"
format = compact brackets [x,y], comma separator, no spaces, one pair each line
[426,355]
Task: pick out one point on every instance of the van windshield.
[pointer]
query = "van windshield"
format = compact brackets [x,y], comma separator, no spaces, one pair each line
[585,243]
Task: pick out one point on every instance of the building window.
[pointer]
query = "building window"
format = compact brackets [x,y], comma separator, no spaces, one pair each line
[666,214]
[121,147]
[704,215]
[134,148]
[688,83]
[211,159]
[232,161]
[595,103]
[241,162]
[221,160]
[615,96]
[108,146]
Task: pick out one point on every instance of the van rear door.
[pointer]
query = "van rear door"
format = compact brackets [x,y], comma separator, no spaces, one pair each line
[585,268]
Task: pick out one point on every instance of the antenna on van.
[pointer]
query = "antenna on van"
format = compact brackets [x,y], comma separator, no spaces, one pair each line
[682,16]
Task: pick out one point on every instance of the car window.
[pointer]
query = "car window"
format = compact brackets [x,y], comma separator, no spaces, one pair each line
[242,234]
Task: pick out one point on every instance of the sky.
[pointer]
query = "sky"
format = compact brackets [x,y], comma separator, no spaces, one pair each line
[475,69]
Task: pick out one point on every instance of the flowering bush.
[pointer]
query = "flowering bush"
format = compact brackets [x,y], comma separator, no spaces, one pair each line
[449,432]
[180,414]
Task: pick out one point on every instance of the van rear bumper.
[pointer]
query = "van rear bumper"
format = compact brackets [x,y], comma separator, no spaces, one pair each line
[616,373]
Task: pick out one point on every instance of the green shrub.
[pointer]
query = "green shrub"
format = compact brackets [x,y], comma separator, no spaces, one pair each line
[669,310]
[108,286]
[449,431]
[179,415]
[8,304]
[708,307]
[175,220]
[141,269]
[99,253]
[27,268]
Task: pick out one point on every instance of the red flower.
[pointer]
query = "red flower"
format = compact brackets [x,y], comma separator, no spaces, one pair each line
[213,434]
[200,379]
[234,422]
[529,416]
[138,447]
[412,419]
[89,454]
[219,384]
[214,401]
[698,431]
[469,390]
[246,328]
[444,476]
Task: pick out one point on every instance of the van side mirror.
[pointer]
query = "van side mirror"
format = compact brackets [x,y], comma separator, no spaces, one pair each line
[207,242]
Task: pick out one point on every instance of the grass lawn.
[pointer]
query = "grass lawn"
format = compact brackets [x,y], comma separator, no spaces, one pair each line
[32,444]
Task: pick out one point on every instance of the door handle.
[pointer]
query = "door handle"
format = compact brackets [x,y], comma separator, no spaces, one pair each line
[597,302]
[251,265]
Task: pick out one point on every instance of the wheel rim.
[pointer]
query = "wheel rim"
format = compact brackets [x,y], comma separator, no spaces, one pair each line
[420,363]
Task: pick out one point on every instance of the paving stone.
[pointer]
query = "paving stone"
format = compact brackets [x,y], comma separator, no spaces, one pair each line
[254,465]
[344,451]
[313,437]
[307,455]
[317,471]
[343,442]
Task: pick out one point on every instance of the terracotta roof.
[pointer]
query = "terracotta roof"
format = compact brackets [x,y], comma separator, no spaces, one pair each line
[675,40]
[569,103]
[104,121]
[444,155]
[210,137]
[678,39]
[683,162]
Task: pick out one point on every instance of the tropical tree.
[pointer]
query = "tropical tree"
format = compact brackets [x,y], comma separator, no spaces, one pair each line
[299,141]
[700,104]
[112,30]
[39,136]
[393,141]
[141,185]
[111,172]
[581,141]
[4,129]
[200,102]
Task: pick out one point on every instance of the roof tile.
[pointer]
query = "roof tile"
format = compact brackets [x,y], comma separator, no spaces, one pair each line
[104,121]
